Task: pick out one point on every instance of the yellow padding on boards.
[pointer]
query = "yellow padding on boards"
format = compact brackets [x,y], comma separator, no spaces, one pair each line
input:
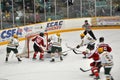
[70,30]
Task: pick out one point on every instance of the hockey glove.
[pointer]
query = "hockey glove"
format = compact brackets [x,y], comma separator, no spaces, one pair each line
[49,40]
[84,52]
[78,46]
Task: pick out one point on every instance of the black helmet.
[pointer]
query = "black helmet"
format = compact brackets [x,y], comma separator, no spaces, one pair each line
[86,20]
[41,34]
[91,46]
[101,39]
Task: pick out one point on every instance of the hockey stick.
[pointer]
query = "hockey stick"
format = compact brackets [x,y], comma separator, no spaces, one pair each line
[66,51]
[84,70]
[74,49]
[61,52]
[65,54]
[70,47]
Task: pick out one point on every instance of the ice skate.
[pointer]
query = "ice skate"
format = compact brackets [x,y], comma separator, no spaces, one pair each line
[41,59]
[19,59]
[91,75]
[97,78]
[61,58]
[6,59]
[53,60]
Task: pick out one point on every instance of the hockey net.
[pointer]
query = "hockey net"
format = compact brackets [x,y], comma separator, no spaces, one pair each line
[28,46]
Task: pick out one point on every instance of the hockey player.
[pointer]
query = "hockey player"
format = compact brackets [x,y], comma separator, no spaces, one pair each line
[88,29]
[56,46]
[91,53]
[106,62]
[38,44]
[85,40]
[50,46]
[12,46]
[103,45]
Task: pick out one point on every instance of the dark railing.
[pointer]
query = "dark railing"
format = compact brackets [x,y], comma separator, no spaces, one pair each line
[22,12]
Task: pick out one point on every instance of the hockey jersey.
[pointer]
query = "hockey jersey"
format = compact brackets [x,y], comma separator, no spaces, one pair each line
[39,41]
[56,41]
[93,54]
[13,43]
[106,59]
[87,40]
[105,47]
[87,26]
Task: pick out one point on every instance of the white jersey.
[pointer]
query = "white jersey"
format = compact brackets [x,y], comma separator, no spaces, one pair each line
[13,43]
[106,59]
[56,41]
[86,41]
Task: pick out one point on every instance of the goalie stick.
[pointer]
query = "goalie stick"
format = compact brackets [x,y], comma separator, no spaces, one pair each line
[84,70]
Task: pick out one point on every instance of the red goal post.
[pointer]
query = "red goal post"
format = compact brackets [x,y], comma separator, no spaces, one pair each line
[28,46]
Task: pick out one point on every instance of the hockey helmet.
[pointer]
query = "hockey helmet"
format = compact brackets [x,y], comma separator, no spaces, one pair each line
[41,34]
[91,46]
[82,35]
[100,50]
[86,20]
[15,35]
[101,39]
[58,34]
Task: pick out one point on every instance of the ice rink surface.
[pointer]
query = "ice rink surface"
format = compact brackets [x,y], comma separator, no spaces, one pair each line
[68,69]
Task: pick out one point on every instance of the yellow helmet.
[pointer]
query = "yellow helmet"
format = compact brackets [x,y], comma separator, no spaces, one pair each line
[100,50]
[58,34]
[15,36]
[82,34]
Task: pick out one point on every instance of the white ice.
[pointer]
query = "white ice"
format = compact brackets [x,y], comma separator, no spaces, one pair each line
[68,69]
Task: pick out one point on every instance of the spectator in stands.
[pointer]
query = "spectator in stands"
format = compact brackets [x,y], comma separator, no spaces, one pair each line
[37,17]
[7,7]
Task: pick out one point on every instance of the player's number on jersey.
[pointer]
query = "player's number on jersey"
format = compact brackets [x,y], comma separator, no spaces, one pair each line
[108,58]
[105,48]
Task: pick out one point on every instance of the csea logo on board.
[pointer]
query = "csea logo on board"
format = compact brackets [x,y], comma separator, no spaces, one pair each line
[6,34]
[54,25]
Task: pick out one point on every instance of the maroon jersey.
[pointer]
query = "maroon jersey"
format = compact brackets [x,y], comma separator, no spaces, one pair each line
[94,55]
[105,47]
[38,40]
